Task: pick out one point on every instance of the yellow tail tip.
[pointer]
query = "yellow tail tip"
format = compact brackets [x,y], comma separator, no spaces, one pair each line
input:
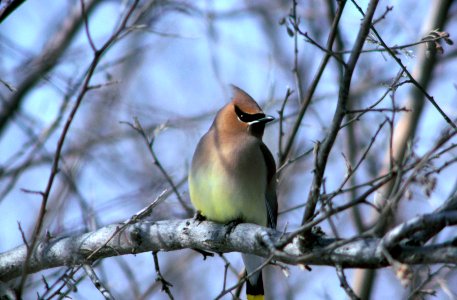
[255,297]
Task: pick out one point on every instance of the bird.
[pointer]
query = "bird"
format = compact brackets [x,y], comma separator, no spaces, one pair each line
[232,177]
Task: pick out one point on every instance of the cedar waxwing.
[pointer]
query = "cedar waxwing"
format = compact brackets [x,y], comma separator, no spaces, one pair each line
[232,177]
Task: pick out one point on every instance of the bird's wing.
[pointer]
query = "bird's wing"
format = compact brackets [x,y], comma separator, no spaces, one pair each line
[270,194]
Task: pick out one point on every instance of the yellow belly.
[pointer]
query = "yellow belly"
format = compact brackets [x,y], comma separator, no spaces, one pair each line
[223,197]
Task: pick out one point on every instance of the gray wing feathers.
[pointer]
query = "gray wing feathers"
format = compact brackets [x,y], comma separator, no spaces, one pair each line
[270,194]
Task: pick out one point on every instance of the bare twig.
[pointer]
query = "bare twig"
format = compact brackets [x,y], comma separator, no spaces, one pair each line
[86,27]
[339,114]
[9,7]
[97,56]
[410,76]
[310,93]
[393,86]
[322,48]
[135,218]
[243,280]
[295,21]
[400,47]
[165,284]
[309,225]
[150,143]
[53,50]
[66,280]
[8,85]
[383,16]
[365,110]
[97,282]
[344,284]
[24,239]
[419,290]
[393,201]
[352,170]
[281,121]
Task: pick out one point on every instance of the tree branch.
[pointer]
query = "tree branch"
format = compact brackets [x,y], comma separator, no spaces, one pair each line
[248,238]
[310,93]
[339,114]
[8,8]
[43,63]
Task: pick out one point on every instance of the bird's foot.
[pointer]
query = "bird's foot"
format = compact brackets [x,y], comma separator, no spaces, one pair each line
[204,253]
[230,226]
[199,217]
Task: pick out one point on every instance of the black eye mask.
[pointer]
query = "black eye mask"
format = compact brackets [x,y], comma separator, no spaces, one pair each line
[247,118]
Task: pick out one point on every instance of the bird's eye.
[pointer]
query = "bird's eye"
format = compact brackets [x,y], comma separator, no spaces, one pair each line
[245,117]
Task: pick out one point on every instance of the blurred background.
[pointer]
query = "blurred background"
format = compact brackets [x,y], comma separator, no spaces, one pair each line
[172,72]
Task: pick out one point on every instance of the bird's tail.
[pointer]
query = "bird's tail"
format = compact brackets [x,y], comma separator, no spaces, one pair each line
[254,284]
[255,291]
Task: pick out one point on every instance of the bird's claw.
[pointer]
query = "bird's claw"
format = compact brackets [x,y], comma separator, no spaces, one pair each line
[230,226]
[199,217]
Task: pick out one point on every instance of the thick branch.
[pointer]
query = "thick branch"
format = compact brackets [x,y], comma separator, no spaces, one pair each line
[179,234]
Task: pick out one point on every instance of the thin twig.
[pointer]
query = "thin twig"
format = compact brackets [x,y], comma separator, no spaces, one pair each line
[344,284]
[339,114]
[8,8]
[309,225]
[150,143]
[165,284]
[281,121]
[8,85]
[352,171]
[312,88]
[36,67]
[394,199]
[365,110]
[393,86]
[258,269]
[395,48]
[383,16]
[290,161]
[322,48]
[410,76]
[55,166]
[295,21]
[135,218]
[86,27]
[97,282]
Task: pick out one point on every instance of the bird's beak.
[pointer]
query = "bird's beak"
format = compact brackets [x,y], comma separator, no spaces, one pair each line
[263,120]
